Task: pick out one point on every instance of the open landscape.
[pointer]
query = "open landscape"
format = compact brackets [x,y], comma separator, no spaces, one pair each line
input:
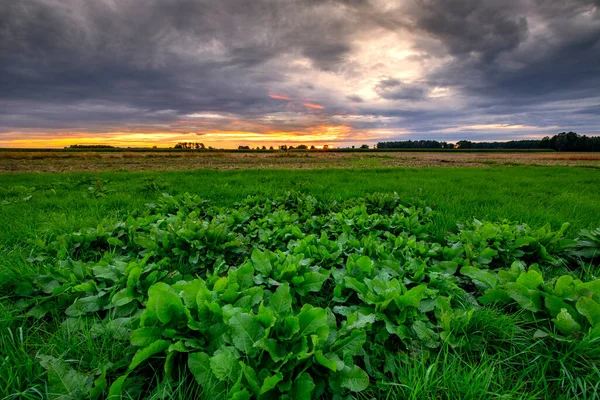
[344,280]
[298,200]
[76,161]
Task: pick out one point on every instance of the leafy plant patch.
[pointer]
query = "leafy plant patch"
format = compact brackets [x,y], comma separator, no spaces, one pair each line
[295,298]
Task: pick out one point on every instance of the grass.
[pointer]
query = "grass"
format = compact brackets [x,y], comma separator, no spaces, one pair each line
[510,363]
[120,160]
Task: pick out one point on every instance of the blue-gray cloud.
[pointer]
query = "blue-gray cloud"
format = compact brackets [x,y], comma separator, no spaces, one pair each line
[99,64]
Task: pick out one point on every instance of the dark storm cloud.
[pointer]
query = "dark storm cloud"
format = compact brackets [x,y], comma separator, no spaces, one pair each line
[183,55]
[71,64]
[467,27]
[517,51]
[395,89]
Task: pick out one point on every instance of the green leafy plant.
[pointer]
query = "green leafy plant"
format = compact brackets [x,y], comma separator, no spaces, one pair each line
[296,298]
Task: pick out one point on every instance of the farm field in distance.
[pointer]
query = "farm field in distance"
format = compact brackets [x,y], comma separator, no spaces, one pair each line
[274,275]
[73,161]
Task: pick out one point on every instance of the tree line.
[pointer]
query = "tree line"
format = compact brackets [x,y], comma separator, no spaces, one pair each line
[564,141]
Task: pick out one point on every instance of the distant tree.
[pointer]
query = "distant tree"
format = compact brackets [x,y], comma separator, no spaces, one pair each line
[291,148]
[283,147]
[364,146]
[312,147]
[271,148]
[243,147]
[325,146]
[302,147]
[264,147]
[564,141]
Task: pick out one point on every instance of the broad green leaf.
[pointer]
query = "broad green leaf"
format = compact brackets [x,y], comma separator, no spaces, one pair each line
[271,382]
[365,264]
[121,298]
[246,330]
[262,262]
[358,320]
[590,289]
[144,336]
[251,378]
[483,278]
[100,385]
[302,388]
[565,322]
[167,305]
[281,301]
[276,350]
[589,309]
[225,367]
[291,326]
[199,365]
[145,353]
[108,272]
[530,279]
[353,378]
[63,381]
[529,299]
[555,305]
[426,334]
[351,344]
[190,292]
[88,286]
[495,296]
[329,360]
[85,305]
[412,297]
[133,280]
[561,288]
[313,320]
[116,389]
[354,284]
[312,282]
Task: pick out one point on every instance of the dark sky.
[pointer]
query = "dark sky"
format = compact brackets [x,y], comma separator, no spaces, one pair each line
[337,72]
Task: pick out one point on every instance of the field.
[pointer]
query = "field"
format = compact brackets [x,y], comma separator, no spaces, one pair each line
[72,161]
[342,276]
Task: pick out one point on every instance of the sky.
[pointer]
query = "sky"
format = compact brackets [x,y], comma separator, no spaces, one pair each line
[316,72]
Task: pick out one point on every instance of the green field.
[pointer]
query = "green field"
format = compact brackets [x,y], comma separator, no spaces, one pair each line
[499,351]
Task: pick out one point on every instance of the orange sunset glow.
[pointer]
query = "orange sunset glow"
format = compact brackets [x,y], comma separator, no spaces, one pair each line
[229,139]
[276,96]
[315,106]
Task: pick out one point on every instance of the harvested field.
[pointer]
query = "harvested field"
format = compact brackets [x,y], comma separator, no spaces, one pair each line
[160,161]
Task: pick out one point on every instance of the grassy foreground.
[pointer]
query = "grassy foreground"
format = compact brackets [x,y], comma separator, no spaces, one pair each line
[515,364]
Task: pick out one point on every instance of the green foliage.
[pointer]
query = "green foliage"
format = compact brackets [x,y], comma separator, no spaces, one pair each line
[296,298]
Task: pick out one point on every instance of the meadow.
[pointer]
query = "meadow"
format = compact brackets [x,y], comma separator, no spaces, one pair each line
[123,160]
[369,280]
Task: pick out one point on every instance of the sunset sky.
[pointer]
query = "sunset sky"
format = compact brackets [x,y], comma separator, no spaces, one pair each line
[271,72]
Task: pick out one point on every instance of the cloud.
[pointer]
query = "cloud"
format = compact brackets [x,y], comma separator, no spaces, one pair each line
[394,89]
[313,106]
[401,67]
